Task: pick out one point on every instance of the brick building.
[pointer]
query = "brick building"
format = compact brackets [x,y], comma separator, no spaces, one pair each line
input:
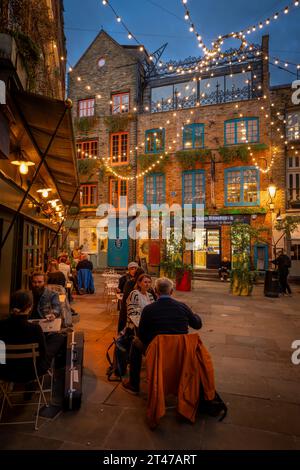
[286,174]
[38,171]
[193,126]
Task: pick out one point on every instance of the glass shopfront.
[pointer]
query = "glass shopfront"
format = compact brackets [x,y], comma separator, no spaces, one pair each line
[207,248]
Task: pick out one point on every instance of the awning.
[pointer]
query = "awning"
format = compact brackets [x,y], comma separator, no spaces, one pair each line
[41,116]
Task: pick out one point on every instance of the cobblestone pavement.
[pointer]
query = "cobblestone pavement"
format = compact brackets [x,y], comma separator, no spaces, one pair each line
[250,342]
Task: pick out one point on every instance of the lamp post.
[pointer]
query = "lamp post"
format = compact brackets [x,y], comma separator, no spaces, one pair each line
[271,287]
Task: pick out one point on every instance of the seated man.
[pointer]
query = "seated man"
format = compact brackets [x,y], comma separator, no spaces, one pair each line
[46,305]
[166,316]
[224,269]
[132,267]
[18,330]
[84,263]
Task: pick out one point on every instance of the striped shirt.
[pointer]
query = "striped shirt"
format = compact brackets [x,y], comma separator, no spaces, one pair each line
[135,304]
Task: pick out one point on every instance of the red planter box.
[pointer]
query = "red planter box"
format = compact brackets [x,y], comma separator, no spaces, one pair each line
[184,283]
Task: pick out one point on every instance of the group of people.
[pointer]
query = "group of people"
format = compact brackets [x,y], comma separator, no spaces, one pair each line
[40,303]
[149,312]
[60,272]
[282,263]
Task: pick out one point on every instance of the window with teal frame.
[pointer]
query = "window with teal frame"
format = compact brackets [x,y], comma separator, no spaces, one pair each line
[193,136]
[241,131]
[154,189]
[193,187]
[242,186]
[155,140]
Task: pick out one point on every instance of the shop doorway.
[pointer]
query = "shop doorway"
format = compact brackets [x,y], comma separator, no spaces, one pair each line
[261,257]
[118,244]
[207,249]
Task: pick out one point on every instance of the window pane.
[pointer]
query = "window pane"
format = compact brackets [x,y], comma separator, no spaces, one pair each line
[124,147]
[149,190]
[253,131]
[160,197]
[250,186]
[241,128]
[212,90]
[238,87]
[154,141]
[188,188]
[125,103]
[198,136]
[230,133]
[293,126]
[115,148]
[185,94]
[188,137]
[199,196]
[114,196]
[233,187]
[116,99]
[161,98]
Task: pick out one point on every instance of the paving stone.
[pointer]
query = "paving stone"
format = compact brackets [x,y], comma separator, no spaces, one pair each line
[221,436]
[15,440]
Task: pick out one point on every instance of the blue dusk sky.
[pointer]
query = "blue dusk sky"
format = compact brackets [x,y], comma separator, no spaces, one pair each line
[156,22]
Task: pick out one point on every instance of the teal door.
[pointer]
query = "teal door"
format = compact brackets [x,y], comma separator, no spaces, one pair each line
[118,244]
[261,257]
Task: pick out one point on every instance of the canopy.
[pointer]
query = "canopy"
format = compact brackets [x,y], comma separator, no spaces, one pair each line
[41,116]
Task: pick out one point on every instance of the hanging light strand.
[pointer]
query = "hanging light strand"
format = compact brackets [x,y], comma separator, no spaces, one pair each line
[130,35]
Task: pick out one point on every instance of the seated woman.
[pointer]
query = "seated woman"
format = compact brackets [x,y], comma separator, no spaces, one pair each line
[18,330]
[138,299]
[54,276]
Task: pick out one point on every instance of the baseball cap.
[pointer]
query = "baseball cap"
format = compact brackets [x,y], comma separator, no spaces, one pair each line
[133,264]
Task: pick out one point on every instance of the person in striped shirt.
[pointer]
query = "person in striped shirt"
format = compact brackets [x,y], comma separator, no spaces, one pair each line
[138,299]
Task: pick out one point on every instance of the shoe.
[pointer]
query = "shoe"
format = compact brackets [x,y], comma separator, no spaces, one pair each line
[130,388]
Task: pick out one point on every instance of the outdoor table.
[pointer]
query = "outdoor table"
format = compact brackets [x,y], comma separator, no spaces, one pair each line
[53,326]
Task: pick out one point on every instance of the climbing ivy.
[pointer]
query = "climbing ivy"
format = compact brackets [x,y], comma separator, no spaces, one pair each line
[239,152]
[146,160]
[189,158]
[118,122]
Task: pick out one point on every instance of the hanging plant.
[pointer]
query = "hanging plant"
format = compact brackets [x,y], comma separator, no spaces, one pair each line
[86,165]
[239,152]
[146,160]
[189,158]
[85,124]
[118,122]
[242,211]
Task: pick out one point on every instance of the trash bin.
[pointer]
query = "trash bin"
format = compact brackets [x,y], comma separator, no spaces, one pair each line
[271,284]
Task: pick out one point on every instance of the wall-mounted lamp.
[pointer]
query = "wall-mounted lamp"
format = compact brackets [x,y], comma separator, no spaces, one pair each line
[53,203]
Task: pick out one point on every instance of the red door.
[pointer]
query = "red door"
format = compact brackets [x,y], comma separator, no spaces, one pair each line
[154,252]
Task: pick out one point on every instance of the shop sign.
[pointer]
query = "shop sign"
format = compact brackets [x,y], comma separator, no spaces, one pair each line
[217,220]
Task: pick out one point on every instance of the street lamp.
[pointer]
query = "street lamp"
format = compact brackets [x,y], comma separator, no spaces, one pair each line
[272,193]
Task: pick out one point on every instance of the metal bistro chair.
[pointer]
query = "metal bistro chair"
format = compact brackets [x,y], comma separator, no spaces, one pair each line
[17,352]
[111,297]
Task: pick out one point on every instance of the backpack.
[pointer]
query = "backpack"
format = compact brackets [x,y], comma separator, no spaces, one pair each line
[215,407]
[118,364]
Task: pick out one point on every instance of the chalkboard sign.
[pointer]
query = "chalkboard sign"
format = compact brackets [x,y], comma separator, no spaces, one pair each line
[144,265]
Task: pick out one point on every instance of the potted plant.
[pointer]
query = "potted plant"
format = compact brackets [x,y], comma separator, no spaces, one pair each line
[243,277]
[173,266]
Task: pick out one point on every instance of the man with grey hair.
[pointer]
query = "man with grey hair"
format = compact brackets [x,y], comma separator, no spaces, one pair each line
[166,316]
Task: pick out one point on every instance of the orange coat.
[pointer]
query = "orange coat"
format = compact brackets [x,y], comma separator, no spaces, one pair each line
[178,365]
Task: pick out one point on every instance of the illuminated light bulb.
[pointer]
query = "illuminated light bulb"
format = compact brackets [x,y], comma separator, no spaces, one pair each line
[141,48]
[70,69]
[118,19]
[23,169]
[79,79]
[104,2]
[99,97]
[275,16]
[186,16]
[129,36]
[286,10]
